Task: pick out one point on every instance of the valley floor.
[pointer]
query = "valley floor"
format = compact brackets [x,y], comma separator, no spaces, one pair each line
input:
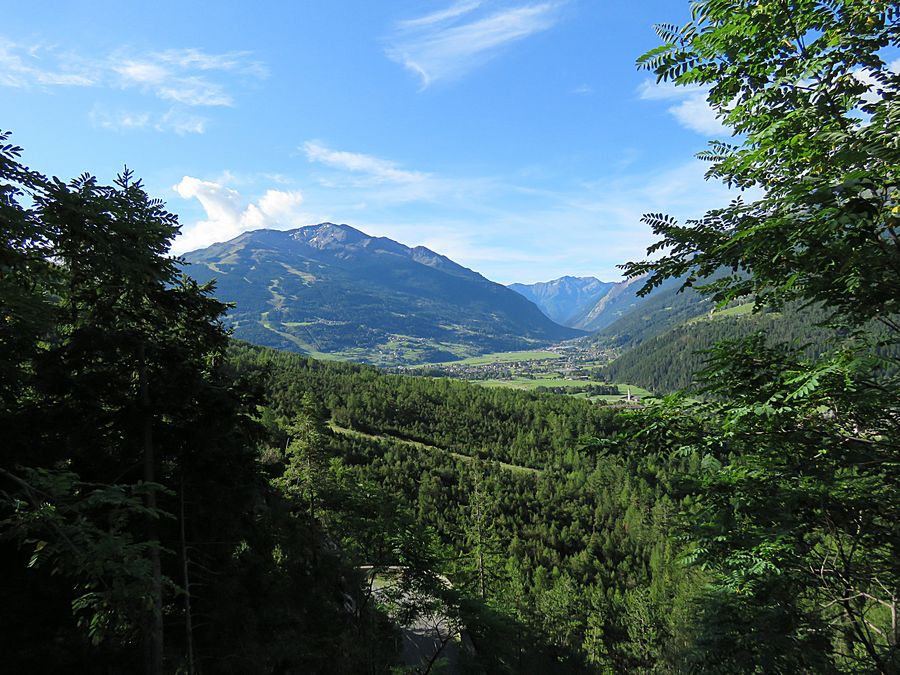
[571,368]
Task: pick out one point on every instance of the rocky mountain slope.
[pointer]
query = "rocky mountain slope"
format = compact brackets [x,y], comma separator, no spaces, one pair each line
[566,298]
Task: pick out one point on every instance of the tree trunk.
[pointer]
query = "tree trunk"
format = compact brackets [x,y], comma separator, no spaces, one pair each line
[153,639]
[188,618]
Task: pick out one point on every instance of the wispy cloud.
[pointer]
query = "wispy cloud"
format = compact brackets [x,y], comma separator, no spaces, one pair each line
[689,106]
[441,16]
[238,62]
[453,41]
[25,66]
[228,215]
[185,75]
[376,169]
[379,182]
[182,75]
[182,78]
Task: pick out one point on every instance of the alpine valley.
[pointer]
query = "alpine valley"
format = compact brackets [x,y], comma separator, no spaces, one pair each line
[333,292]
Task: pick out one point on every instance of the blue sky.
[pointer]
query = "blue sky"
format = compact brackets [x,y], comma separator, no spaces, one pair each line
[515,137]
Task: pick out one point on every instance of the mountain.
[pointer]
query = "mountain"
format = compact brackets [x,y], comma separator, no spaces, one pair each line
[618,300]
[564,298]
[625,318]
[332,290]
[666,356]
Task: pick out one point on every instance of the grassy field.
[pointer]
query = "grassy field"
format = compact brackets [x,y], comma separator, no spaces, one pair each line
[503,357]
[530,384]
[738,310]
[623,391]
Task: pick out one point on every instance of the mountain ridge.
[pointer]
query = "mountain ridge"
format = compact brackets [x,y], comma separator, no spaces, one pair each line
[564,298]
[330,289]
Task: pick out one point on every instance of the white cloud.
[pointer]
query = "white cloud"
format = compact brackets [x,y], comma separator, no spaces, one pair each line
[189,59]
[695,114]
[183,75]
[142,73]
[864,76]
[181,122]
[583,90]
[119,120]
[379,170]
[227,216]
[177,74]
[452,12]
[690,107]
[280,205]
[378,182]
[450,42]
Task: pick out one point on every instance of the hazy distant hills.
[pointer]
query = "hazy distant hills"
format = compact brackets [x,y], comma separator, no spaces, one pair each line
[565,298]
[590,304]
[331,289]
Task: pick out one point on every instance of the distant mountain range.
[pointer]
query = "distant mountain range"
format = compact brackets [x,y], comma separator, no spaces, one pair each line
[592,305]
[332,290]
[566,298]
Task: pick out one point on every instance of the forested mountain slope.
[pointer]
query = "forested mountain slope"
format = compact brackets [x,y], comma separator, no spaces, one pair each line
[331,289]
[667,359]
[554,528]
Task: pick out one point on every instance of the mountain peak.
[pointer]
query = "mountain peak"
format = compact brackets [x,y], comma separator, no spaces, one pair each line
[324,235]
[330,288]
[565,298]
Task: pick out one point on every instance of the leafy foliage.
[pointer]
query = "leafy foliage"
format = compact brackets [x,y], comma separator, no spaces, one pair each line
[795,506]
[804,86]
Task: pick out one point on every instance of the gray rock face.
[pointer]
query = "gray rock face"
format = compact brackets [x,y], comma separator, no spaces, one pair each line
[566,298]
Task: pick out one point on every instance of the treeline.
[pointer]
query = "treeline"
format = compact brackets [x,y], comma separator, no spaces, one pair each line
[589,389]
